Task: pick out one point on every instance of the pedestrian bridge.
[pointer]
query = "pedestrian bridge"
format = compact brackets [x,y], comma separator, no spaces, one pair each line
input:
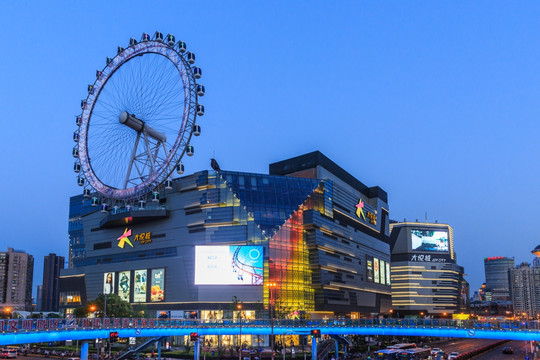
[25,331]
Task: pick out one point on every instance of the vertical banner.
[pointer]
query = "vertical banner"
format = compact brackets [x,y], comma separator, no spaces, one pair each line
[157,290]
[369,264]
[376,270]
[124,278]
[108,283]
[388,274]
[382,271]
[139,292]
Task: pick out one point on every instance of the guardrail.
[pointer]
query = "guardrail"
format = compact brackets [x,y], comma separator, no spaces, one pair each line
[18,325]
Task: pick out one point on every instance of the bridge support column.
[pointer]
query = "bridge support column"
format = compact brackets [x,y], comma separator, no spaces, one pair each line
[159,350]
[84,350]
[196,349]
[337,348]
[313,348]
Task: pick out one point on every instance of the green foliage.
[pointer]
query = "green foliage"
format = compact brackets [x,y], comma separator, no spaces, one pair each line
[116,307]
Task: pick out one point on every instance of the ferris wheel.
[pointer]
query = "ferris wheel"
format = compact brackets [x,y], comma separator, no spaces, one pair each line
[137,122]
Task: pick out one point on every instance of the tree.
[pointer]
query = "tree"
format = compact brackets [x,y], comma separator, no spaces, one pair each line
[116,307]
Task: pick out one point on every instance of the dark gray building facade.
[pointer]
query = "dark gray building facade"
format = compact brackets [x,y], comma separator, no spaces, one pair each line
[497,276]
[309,227]
[52,265]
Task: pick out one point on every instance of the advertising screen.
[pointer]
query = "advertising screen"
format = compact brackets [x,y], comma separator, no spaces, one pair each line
[124,278]
[382,271]
[376,270]
[228,265]
[429,240]
[108,283]
[388,274]
[157,290]
[139,291]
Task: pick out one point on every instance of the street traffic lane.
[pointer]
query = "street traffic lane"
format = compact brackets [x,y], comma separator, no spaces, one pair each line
[463,345]
[496,354]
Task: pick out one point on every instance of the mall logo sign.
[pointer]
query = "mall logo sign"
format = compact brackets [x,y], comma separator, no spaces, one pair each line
[142,238]
[360,207]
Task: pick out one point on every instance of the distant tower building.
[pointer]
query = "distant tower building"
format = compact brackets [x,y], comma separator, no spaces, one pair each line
[525,285]
[38,298]
[425,276]
[16,273]
[497,281]
[51,273]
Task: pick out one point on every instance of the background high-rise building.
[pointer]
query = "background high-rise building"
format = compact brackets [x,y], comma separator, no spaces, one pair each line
[425,276]
[497,281]
[16,272]
[38,297]
[51,274]
[525,290]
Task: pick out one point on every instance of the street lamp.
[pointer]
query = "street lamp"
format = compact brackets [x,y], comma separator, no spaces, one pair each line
[8,311]
[271,300]
[239,307]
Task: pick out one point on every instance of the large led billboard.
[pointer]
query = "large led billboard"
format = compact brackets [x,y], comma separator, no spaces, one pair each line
[108,283]
[124,278]
[429,240]
[228,265]
[157,289]
[139,285]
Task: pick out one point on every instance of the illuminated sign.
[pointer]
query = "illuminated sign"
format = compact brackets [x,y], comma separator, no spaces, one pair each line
[139,293]
[387,273]
[494,258]
[108,283]
[142,238]
[157,288]
[360,210]
[369,264]
[382,271]
[124,285]
[426,258]
[124,238]
[376,270]
[363,212]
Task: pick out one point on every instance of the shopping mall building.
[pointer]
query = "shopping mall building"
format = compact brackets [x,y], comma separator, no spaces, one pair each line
[309,227]
[426,279]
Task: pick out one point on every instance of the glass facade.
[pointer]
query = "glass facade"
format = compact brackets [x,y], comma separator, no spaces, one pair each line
[276,204]
[77,208]
[497,276]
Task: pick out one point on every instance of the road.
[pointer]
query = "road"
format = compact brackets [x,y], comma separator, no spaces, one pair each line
[462,345]
[495,354]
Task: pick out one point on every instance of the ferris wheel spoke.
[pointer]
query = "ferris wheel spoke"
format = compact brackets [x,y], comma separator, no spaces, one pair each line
[127,160]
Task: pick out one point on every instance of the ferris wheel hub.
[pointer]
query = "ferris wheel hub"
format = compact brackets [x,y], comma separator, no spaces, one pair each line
[138,125]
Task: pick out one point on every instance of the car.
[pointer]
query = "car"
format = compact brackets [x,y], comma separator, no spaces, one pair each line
[453,355]
[508,350]
[435,351]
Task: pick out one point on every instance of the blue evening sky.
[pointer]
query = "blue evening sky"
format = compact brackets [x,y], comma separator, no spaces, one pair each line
[437,102]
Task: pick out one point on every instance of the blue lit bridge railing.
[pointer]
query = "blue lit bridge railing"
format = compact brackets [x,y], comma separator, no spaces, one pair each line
[40,330]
